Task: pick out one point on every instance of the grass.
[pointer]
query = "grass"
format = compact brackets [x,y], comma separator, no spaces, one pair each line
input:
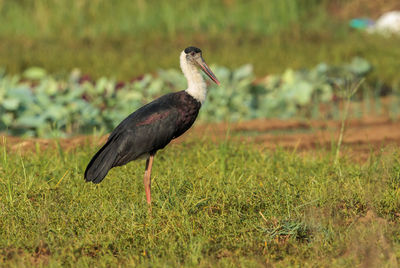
[90,19]
[214,204]
[130,38]
[126,58]
[218,205]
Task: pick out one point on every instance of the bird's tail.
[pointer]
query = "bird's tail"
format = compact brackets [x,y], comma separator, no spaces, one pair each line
[101,162]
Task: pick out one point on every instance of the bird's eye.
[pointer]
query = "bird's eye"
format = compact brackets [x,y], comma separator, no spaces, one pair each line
[192,53]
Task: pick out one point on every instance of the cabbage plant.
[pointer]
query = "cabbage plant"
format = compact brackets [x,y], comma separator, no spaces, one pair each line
[38,104]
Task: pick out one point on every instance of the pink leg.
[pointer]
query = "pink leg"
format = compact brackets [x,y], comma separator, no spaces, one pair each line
[147,179]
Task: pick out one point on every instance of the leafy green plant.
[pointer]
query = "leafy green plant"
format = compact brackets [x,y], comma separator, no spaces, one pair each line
[38,104]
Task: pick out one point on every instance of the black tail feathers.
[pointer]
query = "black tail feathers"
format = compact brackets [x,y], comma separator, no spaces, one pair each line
[101,163]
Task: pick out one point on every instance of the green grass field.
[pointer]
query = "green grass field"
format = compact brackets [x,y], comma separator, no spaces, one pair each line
[214,204]
[127,38]
[219,204]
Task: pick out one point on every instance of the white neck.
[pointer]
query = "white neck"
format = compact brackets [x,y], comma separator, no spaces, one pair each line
[196,85]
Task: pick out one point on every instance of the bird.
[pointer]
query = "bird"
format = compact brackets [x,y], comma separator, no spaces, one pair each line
[154,125]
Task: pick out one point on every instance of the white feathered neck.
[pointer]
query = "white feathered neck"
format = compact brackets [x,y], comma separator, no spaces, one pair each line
[197,87]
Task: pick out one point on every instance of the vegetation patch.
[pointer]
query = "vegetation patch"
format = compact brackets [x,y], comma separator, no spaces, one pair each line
[38,104]
[220,204]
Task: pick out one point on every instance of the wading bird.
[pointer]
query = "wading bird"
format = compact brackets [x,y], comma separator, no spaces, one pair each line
[154,125]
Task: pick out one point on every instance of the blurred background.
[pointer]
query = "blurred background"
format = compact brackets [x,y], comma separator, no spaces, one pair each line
[73,67]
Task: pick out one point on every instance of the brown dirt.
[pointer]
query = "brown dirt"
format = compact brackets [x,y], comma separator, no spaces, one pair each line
[369,245]
[361,138]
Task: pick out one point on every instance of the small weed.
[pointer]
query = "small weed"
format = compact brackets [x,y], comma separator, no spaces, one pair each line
[348,92]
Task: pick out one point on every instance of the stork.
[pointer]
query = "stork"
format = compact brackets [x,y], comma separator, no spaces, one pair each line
[153,126]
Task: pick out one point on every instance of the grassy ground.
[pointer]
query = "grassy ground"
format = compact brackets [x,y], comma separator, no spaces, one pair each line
[220,204]
[90,19]
[128,38]
[214,204]
[126,58]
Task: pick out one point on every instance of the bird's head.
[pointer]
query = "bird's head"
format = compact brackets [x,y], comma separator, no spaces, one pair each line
[193,57]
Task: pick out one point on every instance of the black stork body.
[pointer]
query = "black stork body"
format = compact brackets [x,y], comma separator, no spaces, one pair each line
[154,125]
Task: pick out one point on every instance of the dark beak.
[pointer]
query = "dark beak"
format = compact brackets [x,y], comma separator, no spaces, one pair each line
[200,61]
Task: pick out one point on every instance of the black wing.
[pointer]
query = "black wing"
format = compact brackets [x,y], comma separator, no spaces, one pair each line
[145,131]
[145,136]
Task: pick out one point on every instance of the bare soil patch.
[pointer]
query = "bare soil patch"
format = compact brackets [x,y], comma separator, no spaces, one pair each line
[361,138]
